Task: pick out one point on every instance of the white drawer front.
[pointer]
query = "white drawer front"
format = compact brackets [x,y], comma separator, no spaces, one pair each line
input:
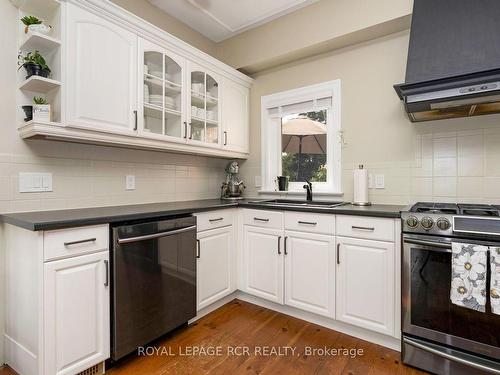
[310,222]
[214,219]
[262,218]
[372,228]
[64,243]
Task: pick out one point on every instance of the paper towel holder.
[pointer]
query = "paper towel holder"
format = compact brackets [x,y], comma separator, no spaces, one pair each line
[361,166]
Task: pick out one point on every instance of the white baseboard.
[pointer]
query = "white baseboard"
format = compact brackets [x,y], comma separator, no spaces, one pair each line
[361,333]
[19,358]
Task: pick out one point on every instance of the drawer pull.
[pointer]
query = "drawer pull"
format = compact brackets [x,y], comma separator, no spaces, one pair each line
[371,229]
[259,219]
[215,220]
[80,241]
[307,222]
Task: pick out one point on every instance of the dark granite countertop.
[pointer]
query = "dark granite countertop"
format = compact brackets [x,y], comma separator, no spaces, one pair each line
[47,220]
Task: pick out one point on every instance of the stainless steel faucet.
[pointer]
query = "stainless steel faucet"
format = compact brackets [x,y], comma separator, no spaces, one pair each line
[309,191]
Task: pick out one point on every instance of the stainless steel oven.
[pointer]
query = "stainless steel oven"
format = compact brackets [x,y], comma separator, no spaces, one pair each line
[438,335]
[153,281]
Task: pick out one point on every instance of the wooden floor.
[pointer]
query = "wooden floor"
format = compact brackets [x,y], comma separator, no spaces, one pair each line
[239,324]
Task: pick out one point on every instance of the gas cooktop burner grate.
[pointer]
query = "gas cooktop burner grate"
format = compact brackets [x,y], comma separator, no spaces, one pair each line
[436,208]
[478,210]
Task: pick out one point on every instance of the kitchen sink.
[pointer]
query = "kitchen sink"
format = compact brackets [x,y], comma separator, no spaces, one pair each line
[297,203]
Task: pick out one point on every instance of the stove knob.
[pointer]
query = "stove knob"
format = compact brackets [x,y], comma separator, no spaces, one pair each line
[443,223]
[412,222]
[427,223]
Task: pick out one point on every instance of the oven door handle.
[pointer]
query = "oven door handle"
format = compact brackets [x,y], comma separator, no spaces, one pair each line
[445,246]
[451,357]
[155,235]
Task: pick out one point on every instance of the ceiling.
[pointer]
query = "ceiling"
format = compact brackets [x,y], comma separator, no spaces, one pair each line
[221,19]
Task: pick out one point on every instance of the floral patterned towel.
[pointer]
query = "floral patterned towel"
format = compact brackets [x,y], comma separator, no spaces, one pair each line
[495,280]
[468,276]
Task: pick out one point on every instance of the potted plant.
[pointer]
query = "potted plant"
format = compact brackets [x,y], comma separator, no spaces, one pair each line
[38,111]
[35,25]
[35,64]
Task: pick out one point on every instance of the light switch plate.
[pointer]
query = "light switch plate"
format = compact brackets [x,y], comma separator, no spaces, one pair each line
[35,182]
[379,181]
[130,182]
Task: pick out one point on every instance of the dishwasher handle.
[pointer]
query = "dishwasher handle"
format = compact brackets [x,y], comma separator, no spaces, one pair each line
[146,237]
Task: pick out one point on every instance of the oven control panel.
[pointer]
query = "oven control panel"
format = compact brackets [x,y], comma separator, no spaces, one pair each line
[427,223]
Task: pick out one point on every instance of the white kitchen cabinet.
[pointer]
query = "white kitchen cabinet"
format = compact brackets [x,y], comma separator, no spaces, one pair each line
[161,92]
[57,318]
[263,263]
[76,310]
[101,68]
[310,272]
[235,116]
[203,106]
[365,284]
[215,266]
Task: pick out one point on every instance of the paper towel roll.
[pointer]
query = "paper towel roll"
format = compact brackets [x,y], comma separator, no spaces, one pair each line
[361,186]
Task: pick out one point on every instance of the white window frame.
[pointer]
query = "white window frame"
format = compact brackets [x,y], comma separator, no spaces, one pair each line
[271,136]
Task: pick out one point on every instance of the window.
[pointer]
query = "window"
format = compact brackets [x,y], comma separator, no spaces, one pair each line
[301,136]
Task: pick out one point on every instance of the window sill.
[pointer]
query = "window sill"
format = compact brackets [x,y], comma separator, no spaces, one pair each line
[300,193]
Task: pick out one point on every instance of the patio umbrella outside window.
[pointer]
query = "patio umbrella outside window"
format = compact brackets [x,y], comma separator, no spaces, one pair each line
[303,136]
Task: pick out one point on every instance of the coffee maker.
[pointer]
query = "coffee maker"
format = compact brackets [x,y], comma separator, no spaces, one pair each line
[232,188]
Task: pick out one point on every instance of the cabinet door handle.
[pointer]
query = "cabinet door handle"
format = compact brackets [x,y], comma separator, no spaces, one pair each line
[106,266]
[225,138]
[307,222]
[135,120]
[371,229]
[284,240]
[198,249]
[215,220]
[279,245]
[338,253]
[80,241]
[259,219]
[190,131]
[185,129]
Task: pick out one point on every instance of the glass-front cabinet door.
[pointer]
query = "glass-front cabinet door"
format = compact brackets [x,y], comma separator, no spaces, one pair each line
[204,108]
[162,93]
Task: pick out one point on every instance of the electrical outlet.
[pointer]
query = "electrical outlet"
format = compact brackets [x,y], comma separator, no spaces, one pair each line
[35,182]
[371,185]
[258,181]
[379,181]
[130,182]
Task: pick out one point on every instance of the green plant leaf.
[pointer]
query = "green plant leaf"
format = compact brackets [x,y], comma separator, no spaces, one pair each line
[31,20]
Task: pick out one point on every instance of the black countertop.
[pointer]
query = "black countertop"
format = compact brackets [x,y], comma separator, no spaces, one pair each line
[48,220]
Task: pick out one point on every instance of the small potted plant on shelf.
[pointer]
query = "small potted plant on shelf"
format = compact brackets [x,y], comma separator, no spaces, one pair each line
[35,64]
[39,111]
[35,25]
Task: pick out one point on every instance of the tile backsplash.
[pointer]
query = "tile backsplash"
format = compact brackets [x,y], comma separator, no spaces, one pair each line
[92,176]
[456,166]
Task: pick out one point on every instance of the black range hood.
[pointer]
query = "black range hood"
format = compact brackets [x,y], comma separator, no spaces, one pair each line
[453,67]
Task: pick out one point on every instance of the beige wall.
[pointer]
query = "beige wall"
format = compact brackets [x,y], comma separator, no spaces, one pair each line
[320,27]
[444,160]
[157,17]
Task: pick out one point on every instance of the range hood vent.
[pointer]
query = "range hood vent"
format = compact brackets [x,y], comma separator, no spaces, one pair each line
[453,67]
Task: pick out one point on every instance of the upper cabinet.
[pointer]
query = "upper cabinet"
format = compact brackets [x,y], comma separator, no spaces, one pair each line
[100,72]
[204,108]
[235,116]
[125,82]
[161,92]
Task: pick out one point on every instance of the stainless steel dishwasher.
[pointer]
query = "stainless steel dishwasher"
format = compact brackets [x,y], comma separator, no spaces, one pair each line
[153,281]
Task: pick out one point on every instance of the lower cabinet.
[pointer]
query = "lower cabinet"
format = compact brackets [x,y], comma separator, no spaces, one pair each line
[263,262]
[310,272]
[76,310]
[215,267]
[365,284]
